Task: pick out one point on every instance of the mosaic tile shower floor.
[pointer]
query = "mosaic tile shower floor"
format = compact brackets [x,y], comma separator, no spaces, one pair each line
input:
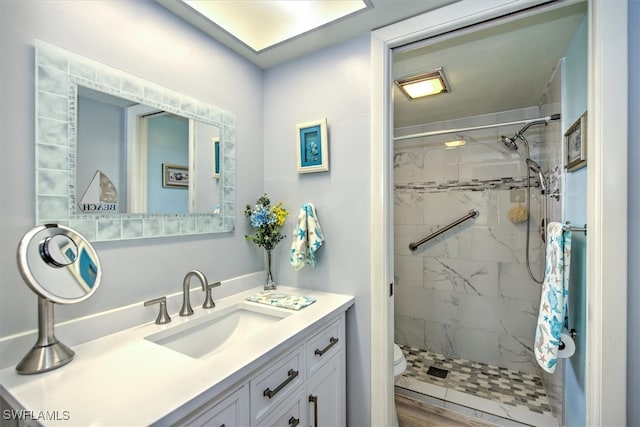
[509,392]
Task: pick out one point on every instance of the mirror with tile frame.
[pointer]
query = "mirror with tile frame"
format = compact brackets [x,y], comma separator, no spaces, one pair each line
[60,75]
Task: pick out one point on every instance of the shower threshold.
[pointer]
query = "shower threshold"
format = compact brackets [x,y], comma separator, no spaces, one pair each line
[498,395]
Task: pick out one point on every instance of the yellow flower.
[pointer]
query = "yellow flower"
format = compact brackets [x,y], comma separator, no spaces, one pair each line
[280,214]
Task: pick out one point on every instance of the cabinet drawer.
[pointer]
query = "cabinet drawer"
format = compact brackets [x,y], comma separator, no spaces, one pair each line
[290,415]
[232,411]
[276,383]
[324,344]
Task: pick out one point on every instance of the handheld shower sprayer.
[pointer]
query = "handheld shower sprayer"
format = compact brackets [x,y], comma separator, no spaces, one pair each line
[535,167]
[511,143]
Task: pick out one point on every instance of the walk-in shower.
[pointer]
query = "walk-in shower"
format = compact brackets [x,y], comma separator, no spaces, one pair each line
[465,306]
[532,166]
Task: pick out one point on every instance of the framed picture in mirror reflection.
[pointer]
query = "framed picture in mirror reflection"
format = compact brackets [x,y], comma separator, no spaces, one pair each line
[216,157]
[175,176]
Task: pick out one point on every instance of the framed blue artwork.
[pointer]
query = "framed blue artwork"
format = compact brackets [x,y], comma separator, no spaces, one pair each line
[312,152]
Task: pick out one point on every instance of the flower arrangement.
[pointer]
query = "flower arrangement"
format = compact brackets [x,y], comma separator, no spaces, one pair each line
[267,220]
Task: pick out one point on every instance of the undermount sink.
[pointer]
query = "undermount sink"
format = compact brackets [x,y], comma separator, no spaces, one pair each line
[213,332]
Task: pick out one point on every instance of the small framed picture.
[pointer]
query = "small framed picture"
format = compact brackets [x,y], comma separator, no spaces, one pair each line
[575,145]
[216,157]
[175,176]
[312,152]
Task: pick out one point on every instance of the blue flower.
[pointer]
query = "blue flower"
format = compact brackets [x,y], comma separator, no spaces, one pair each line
[262,217]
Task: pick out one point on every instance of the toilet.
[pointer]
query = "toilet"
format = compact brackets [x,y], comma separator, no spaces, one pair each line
[399,362]
[399,366]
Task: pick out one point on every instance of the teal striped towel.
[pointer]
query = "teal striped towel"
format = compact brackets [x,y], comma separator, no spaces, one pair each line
[292,302]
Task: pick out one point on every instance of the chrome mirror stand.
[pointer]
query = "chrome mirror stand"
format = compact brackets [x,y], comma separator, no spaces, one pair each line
[48,353]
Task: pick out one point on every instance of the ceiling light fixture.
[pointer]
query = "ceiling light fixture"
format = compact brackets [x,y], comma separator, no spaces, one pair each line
[265,23]
[424,84]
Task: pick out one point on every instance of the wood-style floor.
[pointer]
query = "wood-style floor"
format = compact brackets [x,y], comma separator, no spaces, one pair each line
[413,413]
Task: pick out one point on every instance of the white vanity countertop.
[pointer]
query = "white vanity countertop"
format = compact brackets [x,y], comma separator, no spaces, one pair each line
[124,379]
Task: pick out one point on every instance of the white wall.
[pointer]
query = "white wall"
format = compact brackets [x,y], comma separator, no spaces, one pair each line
[147,41]
[333,83]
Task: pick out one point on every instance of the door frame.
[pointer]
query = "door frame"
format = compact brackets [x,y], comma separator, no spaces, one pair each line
[607,186]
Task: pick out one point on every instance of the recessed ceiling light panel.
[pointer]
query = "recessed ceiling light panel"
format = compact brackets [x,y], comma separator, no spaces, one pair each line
[261,24]
[428,83]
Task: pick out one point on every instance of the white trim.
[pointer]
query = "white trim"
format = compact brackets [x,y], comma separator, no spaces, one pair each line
[606,396]
[137,157]
[191,138]
[381,247]
[607,182]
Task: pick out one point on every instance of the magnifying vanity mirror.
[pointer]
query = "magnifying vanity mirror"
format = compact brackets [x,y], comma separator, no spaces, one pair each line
[62,267]
[119,157]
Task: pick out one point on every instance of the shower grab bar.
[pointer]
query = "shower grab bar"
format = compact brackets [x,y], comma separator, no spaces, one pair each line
[472,214]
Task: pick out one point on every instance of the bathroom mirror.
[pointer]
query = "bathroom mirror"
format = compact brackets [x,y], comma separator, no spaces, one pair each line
[62,267]
[148,195]
[129,143]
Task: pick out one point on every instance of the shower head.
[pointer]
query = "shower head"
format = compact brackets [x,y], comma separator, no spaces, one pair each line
[531,164]
[510,143]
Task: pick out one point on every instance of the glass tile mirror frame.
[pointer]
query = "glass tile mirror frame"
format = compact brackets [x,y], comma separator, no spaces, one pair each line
[58,74]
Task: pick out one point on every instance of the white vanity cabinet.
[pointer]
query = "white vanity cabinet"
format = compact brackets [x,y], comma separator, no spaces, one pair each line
[302,386]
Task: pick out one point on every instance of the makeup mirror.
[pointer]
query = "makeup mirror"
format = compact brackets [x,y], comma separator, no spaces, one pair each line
[60,266]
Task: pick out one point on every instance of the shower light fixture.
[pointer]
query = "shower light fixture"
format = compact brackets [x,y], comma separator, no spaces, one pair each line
[455,143]
[424,84]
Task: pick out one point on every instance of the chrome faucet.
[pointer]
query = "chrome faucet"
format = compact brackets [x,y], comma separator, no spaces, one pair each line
[186,309]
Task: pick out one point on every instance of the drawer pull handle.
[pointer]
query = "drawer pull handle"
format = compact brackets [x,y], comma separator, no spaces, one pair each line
[314,399]
[293,422]
[333,341]
[270,393]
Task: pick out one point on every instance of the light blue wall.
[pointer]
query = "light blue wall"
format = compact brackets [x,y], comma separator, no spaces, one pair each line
[633,295]
[333,83]
[574,103]
[168,143]
[145,40]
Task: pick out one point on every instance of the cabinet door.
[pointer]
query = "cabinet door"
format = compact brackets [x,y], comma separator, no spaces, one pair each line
[232,411]
[326,393]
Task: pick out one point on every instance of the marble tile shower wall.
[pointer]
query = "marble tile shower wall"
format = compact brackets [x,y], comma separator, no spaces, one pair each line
[466,293]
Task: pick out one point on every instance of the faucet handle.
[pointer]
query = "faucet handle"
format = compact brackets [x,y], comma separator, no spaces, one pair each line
[163,315]
[208,301]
